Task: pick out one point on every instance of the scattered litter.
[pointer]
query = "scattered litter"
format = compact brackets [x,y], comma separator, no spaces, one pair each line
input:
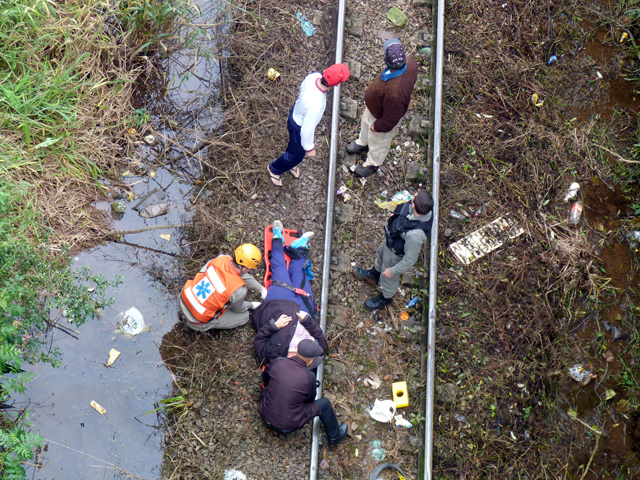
[384,194]
[119,206]
[535,99]
[402,422]
[400,197]
[383,410]
[609,394]
[91,289]
[152,174]
[131,322]
[234,475]
[482,210]
[377,451]
[617,333]
[154,196]
[607,327]
[575,213]
[582,373]
[98,408]
[324,464]
[150,140]
[373,381]
[363,181]
[396,16]
[624,36]
[273,74]
[156,210]
[307,28]
[608,356]
[457,215]
[413,302]
[460,417]
[165,236]
[404,316]
[552,59]
[485,239]
[113,356]
[400,394]
[573,191]
[132,131]
[341,190]
[346,197]
[599,75]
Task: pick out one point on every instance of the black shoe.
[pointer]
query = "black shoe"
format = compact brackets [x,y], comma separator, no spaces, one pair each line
[372,275]
[353,148]
[342,432]
[365,171]
[377,302]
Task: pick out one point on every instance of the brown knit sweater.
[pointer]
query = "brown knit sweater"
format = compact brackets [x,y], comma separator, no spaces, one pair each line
[389,101]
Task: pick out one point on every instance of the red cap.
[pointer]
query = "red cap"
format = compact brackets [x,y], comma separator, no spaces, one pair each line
[336,74]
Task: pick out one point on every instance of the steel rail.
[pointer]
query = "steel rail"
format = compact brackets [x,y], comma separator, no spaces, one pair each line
[328,233]
[433,253]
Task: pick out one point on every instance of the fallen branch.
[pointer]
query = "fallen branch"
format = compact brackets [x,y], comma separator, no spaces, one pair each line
[621,158]
[156,227]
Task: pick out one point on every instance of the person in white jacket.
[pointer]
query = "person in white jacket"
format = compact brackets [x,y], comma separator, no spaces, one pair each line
[304,118]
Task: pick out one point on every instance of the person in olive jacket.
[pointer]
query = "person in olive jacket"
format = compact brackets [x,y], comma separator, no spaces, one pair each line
[288,400]
[281,325]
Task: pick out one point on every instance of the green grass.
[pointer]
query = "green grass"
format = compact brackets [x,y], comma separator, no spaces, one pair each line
[66,71]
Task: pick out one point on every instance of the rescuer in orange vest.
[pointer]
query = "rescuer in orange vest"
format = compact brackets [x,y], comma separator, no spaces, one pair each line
[215,297]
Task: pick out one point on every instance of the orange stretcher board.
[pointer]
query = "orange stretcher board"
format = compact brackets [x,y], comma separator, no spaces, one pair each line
[289,236]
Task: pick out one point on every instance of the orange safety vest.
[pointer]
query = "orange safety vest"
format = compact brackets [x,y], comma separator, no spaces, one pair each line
[207,295]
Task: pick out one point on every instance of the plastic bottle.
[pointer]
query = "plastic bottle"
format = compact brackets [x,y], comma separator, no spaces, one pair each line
[413,302]
[456,215]
[575,213]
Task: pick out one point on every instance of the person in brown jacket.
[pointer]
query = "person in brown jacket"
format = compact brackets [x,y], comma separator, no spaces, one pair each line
[387,100]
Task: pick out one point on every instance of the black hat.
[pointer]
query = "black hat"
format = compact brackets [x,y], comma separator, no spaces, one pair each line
[394,55]
[310,349]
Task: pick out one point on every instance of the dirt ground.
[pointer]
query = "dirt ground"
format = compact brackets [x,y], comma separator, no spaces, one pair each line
[509,324]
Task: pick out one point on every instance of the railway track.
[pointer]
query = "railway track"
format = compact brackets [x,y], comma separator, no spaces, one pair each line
[433,161]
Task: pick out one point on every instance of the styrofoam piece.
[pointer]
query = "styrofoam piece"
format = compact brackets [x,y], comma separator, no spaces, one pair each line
[486,239]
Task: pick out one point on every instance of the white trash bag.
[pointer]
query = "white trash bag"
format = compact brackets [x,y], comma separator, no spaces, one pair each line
[131,322]
[383,410]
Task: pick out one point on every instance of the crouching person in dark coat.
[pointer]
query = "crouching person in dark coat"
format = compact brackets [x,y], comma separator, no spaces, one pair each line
[288,400]
[281,325]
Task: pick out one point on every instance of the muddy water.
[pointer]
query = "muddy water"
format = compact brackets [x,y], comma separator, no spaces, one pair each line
[80,443]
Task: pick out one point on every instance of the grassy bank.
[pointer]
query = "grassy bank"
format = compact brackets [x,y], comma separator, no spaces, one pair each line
[67,71]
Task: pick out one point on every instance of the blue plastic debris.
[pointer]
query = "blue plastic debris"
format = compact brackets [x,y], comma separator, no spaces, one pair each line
[377,451]
[306,26]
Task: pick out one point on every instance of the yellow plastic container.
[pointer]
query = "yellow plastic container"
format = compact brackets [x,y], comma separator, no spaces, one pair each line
[400,394]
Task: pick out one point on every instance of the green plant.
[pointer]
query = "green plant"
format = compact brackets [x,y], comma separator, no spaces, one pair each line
[417,419]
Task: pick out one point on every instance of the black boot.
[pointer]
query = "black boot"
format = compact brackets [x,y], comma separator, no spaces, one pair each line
[362,171]
[377,302]
[342,432]
[372,275]
[353,148]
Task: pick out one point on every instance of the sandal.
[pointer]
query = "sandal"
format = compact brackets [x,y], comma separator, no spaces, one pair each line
[295,171]
[275,179]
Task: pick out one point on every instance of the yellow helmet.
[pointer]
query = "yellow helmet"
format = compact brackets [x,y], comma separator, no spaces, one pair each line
[248,255]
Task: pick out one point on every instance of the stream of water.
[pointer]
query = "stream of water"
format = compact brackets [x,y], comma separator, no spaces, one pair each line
[81,443]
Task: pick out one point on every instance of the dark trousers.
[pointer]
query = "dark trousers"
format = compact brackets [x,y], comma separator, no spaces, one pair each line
[295,152]
[294,276]
[327,417]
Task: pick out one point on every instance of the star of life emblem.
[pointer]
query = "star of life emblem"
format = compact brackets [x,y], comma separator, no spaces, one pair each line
[203,289]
